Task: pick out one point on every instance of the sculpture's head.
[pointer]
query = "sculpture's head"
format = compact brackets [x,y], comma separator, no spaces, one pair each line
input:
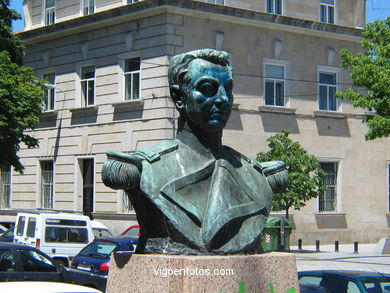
[201,84]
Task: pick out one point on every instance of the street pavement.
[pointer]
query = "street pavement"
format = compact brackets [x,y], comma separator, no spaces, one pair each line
[367,258]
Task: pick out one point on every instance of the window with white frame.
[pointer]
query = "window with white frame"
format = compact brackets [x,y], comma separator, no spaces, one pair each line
[274,6]
[327,8]
[5,188]
[89,7]
[50,97]
[328,198]
[50,12]
[327,88]
[47,184]
[127,207]
[132,78]
[132,1]
[88,85]
[274,85]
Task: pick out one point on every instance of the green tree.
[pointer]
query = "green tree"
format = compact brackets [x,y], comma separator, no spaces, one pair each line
[304,172]
[370,71]
[21,94]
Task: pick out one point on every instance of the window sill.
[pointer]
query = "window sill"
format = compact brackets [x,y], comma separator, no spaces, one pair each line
[330,114]
[276,109]
[129,105]
[84,110]
[48,115]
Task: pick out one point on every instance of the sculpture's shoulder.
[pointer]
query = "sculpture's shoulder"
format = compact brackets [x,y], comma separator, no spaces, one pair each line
[232,153]
[274,171]
[154,153]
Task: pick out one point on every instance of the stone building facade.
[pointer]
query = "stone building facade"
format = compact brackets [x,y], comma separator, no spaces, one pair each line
[106,63]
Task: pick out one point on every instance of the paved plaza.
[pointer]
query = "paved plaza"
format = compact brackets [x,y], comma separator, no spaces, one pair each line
[367,258]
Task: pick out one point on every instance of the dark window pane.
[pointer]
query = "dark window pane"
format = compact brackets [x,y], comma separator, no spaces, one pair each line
[330,14]
[91,92]
[88,72]
[279,94]
[328,78]
[270,6]
[323,102]
[332,98]
[274,71]
[136,86]
[128,80]
[35,262]
[323,13]
[327,199]
[278,6]
[7,261]
[21,223]
[50,3]
[132,64]
[269,93]
[32,222]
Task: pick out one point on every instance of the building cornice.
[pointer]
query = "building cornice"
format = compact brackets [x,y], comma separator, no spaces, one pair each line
[190,8]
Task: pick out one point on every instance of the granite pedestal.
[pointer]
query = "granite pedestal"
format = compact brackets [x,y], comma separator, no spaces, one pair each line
[263,273]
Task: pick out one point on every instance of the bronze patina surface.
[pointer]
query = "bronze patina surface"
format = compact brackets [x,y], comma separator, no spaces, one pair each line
[192,195]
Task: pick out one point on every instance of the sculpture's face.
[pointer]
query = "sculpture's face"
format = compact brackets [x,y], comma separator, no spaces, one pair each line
[208,95]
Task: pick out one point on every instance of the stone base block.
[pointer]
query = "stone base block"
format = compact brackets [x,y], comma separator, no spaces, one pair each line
[271,272]
[383,246]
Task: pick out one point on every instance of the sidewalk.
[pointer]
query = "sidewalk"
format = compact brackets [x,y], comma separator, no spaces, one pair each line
[327,259]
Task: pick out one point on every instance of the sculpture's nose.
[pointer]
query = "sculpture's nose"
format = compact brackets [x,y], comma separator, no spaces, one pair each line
[222,99]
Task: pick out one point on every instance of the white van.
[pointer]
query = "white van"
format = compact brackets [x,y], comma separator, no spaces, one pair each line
[60,235]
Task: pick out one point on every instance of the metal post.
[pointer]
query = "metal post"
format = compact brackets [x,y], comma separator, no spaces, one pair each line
[336,246]
[282,244]
[317,245]
[299,244]
[356,247]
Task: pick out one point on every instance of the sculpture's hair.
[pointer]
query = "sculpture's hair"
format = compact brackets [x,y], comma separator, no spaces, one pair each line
[177,72]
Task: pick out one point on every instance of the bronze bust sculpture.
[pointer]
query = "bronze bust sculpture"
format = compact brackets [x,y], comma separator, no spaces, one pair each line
[192,195]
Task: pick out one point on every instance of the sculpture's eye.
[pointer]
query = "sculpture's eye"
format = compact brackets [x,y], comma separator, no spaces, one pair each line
[208,88]
[229,87]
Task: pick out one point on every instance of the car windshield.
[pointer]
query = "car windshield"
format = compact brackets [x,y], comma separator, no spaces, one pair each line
[99,249]
[8,233]
[98,233]
[133,232]
[377,285]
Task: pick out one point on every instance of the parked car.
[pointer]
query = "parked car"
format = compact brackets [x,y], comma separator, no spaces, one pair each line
[7,236]
[60,235]
[99,230]
[311,288]
[20,262]
[3,229]
[95,257]
[132,231]
[44,287]
[347,281]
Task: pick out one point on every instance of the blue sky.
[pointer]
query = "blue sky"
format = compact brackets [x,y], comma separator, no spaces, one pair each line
[376,9]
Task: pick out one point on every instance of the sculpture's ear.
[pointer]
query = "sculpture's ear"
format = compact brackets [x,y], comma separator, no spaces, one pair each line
[177,96]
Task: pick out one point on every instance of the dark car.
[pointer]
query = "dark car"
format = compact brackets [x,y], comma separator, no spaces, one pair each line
[7,236]
[311,288]
[347,281]
[25,263]
[95,257]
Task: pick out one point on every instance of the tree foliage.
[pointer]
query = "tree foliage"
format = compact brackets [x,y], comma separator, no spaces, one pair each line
[21,94]
[371,70]
[304,171]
